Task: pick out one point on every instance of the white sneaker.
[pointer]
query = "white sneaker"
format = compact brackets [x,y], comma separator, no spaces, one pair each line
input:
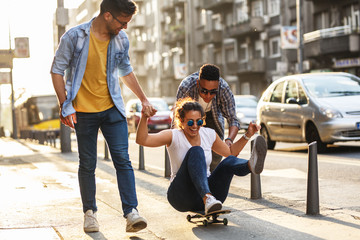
[134,222]
[212,204]
[90,222]
[258,154]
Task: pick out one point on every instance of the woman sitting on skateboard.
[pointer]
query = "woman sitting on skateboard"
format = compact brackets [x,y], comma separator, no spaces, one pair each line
[192,188]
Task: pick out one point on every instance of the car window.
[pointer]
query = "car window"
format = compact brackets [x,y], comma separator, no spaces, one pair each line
[291,90]
[302,96]
[332,86]
[276,96]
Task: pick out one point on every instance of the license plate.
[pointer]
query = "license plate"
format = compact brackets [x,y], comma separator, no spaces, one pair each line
[358,125]
[161,126]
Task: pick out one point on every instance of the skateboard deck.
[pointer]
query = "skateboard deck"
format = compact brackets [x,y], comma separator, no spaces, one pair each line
[206,219]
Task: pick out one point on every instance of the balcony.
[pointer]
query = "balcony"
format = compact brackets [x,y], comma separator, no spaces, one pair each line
[214,36]
[254,25]
[216,5]
[331,41]
[252,66]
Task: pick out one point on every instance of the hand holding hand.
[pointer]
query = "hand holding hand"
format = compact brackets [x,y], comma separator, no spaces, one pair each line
[147,109]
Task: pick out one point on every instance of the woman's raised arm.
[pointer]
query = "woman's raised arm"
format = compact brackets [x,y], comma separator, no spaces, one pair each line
[145,139]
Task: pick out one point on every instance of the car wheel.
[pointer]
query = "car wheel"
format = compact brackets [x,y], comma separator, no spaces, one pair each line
[265,134]
[312,135]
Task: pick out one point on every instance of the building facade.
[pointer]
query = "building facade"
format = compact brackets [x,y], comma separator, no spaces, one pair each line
[253,42]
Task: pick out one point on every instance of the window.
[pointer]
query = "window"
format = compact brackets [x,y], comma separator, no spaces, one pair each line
[291,91]
[216,22]
[259,49]
[274,7]
[352,16]
[302,97]
[243,52]
[274,46]
[230,50]
[276,96]
[257,9]
[322,20]
[241,9]
[217,56]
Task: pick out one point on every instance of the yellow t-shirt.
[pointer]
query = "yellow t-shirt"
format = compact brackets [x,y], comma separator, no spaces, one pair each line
[94,95]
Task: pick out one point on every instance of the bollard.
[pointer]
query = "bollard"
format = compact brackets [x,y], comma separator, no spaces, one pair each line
[141,158]
[255,181]
[167,164]
[106,151]
[312,204]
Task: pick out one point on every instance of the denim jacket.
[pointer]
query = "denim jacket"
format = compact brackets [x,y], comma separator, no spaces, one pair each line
[71,58]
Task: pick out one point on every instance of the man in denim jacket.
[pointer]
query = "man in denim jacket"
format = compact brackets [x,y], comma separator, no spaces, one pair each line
[90,58]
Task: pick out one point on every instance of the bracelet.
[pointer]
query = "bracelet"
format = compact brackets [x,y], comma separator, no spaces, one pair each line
[229,139]
[246,137]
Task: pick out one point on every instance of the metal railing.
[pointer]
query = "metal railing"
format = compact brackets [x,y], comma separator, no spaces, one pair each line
[330,32]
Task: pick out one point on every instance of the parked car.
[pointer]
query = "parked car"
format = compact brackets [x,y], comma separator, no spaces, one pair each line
[245,109]
[161,120]
[321,107]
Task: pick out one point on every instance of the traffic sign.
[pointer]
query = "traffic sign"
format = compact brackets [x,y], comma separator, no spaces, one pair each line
[22,47]
[5,78]
[6,57]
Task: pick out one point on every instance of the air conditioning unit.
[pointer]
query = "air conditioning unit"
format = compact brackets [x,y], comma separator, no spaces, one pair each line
[266,19]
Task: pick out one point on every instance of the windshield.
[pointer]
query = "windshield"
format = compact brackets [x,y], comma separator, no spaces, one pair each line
[245,102]
[332,86]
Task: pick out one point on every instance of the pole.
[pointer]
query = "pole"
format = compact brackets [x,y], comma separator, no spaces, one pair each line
[14,135]
[255,181]
[312,203]
[65,131]
[141,158]
[300,51]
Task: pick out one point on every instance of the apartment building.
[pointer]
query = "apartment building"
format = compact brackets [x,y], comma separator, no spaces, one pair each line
[253,42]
[332,39]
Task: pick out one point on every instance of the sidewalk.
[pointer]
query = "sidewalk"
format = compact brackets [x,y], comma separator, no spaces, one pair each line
[40,200]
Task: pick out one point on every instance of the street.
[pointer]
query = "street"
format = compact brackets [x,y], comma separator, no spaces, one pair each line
[285,172]
[42,197]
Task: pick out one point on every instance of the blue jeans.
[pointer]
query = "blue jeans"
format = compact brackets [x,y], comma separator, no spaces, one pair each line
[114,128]
[191,183]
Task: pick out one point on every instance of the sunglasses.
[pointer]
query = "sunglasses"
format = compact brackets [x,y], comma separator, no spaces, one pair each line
[198,122]
[206,91]
[123,24]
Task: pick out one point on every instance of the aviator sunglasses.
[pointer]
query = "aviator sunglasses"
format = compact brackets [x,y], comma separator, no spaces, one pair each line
[198,122]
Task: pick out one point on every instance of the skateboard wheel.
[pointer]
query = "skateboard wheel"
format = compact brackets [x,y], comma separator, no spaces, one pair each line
[205,223]
[188,217]
[225,221]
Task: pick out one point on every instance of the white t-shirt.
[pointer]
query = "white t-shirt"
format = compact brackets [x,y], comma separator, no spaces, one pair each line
[180,146]
[205,106]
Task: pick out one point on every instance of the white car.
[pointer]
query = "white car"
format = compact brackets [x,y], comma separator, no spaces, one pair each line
[321,107]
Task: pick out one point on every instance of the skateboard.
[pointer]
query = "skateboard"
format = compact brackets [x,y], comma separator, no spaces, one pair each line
[209,218]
